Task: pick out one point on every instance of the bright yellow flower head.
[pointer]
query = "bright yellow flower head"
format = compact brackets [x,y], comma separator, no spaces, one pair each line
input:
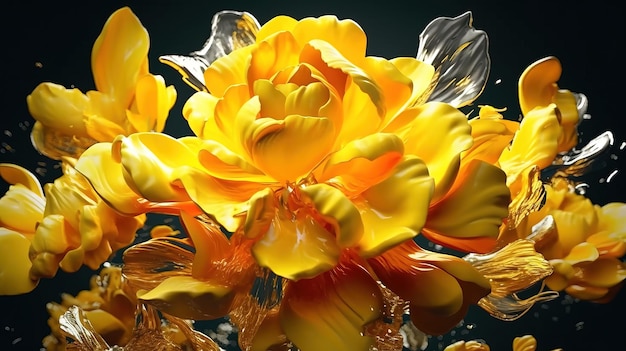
[127,98]
[21,210]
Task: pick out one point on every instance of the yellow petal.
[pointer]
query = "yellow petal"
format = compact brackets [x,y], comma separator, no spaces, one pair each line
[261,213]
[21,210]
[154,101]
[439,134]
[189,298]
[284,149]
[345,35]
[583,252]
[14,174]
[227,71]
[271,55]
[474,208]
[14,264]
[119,56]
[537,84]
[421,75]
[108,325]
[223,163]
[331,309]
[604,273]
[152,162]
[337,210]
[363,162]
[299,248]
[197,110]
[395,86]
[58,108]
[102,129]
[107,178]
[534,144]
[274,25]
[395,210]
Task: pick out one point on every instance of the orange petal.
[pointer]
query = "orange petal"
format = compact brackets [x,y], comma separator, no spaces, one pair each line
[334,307]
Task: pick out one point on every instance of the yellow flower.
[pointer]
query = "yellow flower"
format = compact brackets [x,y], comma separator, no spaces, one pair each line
[77,228]
[21,210]
[127,98]
[586,246]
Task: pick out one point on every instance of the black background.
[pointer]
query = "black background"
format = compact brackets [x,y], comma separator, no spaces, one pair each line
[588,39]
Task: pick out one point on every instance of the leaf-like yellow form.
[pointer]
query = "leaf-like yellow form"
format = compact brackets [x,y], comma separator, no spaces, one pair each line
[188,298]
[56,107]
[14,264]
[209,242]
[395,209]
[524,343]
[270,55]
[330,311]
[119,55]
[296,249]
[227,71]
[154,101]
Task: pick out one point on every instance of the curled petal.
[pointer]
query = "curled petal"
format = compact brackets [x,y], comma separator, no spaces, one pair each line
[281,149]
[56,107]
[209,242]
[189,298]
[395,209]
[15,264]
[334,307]
[474,208]
[296,249]
[537,84]
[338,211]
[21,210]
[460,56]
[364,162]
[14,174]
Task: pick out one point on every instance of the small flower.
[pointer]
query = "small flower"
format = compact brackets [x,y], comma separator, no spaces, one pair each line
[128,98]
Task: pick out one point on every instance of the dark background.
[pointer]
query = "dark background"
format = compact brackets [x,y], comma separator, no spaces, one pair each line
[587,39]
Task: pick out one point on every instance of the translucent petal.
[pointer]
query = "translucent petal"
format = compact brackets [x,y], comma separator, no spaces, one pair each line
[209,242]
[283,149]
[460,56]
[299,248]
[395,209]
[438,135]
[119,56]
[474,208]
[230,30]
[14,264]
[189,298]
[334,307]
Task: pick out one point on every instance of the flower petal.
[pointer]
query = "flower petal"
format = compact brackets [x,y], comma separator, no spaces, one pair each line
[363,162]
[338,211]
[189,298]
[460,55]
[395,209]
[297,248]
[285,149]
[537,84]
[14,264]
[154,101]
[14,174]
[440,146]
[119,56]
[334,307]
[474,208]
[56,107]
